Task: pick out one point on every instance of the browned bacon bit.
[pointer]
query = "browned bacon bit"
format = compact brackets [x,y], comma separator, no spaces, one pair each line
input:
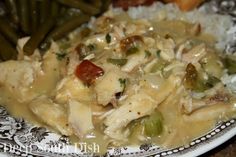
[87,72]
[190,76]
[219,97]
[125,4]
[129,42]
[81,50]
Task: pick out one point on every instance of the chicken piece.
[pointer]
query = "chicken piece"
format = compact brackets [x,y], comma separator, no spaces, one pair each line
[20,44]
[136,106]
[195,54]
[167,47]
[109,85]
[46,81]
[217,111]
[134,61]
[133,108]
[80,118]
[72,88]
[18,76]
[51,114]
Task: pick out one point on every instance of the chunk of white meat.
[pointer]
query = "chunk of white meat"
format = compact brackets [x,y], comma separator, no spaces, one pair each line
[195,54]
[20,44]
[167,47]
[80,118]
[47,79]
[214,112]
[71,87]
[18,76]
[134,61]
[73,62]
[52,114]
[98,39]
[107,86]
[136,106]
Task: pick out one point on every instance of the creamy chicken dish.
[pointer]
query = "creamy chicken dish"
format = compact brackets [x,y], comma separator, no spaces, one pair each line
[123,81]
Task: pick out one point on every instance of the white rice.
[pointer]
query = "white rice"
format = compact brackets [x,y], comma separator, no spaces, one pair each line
[221,26]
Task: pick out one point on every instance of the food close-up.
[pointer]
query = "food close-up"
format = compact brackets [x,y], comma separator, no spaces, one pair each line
[141,78]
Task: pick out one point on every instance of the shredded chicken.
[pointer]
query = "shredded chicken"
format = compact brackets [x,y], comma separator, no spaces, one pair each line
[80,118]
[72,88]
[132,108]
[109,85]
[195,54]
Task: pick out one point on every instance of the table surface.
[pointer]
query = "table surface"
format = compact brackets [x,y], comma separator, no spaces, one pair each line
[228,149]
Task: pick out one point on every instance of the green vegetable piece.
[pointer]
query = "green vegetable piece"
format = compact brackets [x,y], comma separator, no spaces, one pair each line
[158,53]
[105,5]
[154,124]
[38,36]
[119,62]
[24,15]
[137,129]
[123,82]
[8,31]
[66,27]
[79,4]
[211,81]
[6,50]
[108,38]
[147,54]
[55,7]
[33,15]
[230,64]
[96,3]
[91,47]
[12,9]
[159,66]
[61,56]
[132,51]
[44,7]
[192,80]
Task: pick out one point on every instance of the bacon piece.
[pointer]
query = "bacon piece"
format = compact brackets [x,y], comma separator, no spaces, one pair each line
[87,72]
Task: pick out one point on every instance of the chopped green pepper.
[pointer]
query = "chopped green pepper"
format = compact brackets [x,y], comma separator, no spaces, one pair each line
[132,50]
[158,52]
[159,66]
[154,124]
[119,62]
[147,54]
[61,55]
[108,38]
[230,64]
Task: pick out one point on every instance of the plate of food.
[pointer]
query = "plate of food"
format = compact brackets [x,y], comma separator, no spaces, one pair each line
[141,78]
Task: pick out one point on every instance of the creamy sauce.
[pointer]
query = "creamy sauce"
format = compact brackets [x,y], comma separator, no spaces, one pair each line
[179,31]
[177,131]
[16,108]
